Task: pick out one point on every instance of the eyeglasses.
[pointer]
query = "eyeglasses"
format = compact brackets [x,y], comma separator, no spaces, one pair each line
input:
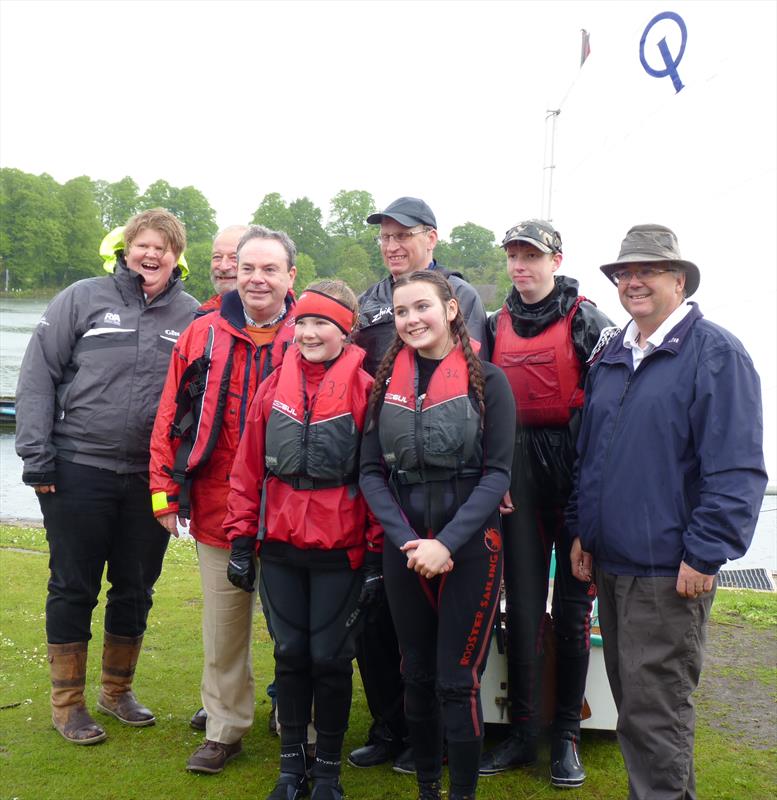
[400,238]
[217,258]
[625,276]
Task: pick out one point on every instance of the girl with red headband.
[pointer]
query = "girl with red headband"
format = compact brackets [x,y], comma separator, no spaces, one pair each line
[294,498]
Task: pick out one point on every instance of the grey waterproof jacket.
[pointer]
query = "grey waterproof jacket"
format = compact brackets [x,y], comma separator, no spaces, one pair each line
[376,330]
[93,373]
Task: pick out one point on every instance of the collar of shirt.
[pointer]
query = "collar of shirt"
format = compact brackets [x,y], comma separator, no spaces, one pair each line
[656,338]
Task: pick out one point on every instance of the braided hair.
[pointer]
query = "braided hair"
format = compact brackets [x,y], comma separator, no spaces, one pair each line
[458,329]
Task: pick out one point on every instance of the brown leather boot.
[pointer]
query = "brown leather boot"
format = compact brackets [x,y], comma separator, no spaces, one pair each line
[68,678]
[120,655]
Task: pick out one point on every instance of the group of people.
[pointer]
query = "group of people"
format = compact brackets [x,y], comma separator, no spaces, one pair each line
[375,469]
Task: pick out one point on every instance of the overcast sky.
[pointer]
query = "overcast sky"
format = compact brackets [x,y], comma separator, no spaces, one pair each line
[443,100]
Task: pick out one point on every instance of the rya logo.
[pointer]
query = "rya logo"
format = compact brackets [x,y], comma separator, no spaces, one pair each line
[114,319]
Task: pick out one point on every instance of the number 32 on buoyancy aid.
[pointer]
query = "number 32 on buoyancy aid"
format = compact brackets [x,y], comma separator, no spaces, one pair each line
[543,370]
[313,445]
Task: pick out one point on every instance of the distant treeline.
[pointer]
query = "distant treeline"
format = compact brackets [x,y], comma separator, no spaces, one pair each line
[50,233]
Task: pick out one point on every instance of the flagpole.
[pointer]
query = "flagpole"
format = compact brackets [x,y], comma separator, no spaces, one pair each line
[549,159]
[549,163]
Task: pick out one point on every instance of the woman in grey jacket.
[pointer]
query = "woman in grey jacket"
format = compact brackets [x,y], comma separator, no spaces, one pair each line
[87,396]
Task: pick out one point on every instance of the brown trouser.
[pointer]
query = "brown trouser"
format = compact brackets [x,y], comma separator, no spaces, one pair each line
[653,650]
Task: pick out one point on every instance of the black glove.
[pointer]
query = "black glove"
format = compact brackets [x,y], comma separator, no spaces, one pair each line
[372,572]
[241,570]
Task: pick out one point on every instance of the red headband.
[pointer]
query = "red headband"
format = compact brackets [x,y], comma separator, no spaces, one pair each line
[317,304]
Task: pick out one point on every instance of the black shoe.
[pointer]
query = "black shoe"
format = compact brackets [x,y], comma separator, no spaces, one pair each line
[517,750]
[272,722]
[404,763]
[372,754]
[199,719]
[566,770]
[429,790]
[289,787]
[327,789]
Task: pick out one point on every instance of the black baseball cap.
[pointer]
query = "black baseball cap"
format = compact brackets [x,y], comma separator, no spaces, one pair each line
[407,211]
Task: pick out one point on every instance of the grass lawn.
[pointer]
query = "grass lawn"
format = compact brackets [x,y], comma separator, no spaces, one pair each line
[148,763]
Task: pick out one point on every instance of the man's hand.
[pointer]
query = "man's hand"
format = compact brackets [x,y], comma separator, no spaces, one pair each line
[691,583]
[581,562]
[44,488]
[506,506]
[428,557]
[241,570]
[170,523]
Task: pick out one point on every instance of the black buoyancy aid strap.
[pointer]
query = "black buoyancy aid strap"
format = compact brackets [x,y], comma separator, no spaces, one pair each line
[181,473]
[191,387]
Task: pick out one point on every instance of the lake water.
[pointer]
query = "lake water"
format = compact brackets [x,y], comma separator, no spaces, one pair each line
[17,501]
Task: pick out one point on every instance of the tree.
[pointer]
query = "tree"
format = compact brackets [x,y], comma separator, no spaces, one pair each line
[82,229]
[198,258]
[472,245]
[273,213]
[354,266]
[348,213]
[117,201]
[306,230]
[188,204]
[306,272]
[33,238]
[158,195]
[193,209]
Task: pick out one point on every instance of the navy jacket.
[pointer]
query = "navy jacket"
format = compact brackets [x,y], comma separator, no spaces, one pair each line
[670,456]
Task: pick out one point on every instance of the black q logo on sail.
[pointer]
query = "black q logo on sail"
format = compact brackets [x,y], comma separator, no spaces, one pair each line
[670,63]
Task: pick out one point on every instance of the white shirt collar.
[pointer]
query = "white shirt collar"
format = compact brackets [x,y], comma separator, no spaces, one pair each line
[656,338]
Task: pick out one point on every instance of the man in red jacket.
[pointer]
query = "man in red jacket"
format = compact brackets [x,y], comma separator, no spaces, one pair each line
[221,359]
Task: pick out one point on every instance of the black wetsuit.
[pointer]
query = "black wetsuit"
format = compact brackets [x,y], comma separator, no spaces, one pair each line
[444,624]
[540,485]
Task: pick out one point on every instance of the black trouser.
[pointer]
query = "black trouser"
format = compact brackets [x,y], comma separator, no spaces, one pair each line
[529,535]
[308,608]
[444,628]
[377,653]
[98,517]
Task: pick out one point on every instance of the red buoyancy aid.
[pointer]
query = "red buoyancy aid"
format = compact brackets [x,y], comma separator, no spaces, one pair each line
[543,371]
[438,432]
[315,445]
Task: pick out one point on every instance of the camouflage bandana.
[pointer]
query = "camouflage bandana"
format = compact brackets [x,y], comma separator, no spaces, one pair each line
[537,232]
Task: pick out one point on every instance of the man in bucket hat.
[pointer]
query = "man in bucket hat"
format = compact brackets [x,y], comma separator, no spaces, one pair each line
[669,483]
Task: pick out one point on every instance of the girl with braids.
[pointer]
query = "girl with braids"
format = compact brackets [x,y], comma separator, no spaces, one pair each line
[435,464]
[294,480]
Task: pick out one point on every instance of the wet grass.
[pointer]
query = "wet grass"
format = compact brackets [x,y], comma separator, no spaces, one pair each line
[148,764]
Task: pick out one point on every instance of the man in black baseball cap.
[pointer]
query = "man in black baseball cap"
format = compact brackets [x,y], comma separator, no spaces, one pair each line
[407,238]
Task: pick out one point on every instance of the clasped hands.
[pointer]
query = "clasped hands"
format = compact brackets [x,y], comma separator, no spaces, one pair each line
[427,557]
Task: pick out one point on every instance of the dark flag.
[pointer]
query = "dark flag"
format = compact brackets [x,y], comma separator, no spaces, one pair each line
[585,46]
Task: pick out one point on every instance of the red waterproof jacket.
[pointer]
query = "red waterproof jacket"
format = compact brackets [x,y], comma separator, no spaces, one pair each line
[210,478]
[307,519]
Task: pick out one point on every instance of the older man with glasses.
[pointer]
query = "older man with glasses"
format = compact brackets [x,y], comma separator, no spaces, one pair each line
[669,484]
[407,238]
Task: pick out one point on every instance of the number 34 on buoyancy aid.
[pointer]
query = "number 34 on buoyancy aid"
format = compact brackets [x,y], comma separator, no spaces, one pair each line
[435,436]
[543,370]
[313,444]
